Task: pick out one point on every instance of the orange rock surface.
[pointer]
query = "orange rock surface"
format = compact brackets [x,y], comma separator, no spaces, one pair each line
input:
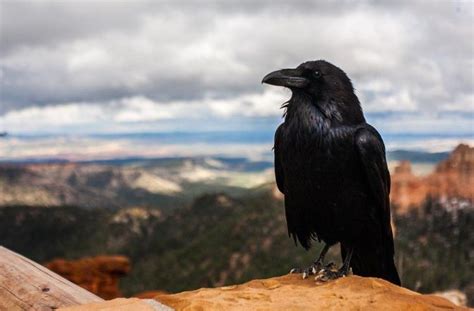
[150,294]
[290,292]
[99,275]
[452,178]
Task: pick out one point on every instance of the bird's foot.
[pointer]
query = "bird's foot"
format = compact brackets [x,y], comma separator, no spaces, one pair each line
[313,269]
[329,273]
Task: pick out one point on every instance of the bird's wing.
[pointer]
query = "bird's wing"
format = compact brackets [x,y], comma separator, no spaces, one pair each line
[371,151]
[278,167]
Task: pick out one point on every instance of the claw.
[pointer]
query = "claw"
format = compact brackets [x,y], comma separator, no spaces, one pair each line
[295,270]
[326,275]
[313,269]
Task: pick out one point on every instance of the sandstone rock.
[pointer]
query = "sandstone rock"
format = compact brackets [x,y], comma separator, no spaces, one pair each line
[290,292]
[407,189]
[99,275]
[150,294]
[452,178]
[455,296]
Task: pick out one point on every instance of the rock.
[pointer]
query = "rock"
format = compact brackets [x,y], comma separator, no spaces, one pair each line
[407,190]
[150,294]
[455,296]
[290,292]
[452,178]
[100,274]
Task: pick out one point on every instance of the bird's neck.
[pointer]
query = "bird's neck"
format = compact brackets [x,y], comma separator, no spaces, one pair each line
[334,112]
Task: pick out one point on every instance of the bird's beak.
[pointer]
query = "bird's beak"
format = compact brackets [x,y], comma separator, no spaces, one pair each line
[291,78]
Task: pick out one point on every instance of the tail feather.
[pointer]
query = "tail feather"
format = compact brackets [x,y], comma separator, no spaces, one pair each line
[374,263]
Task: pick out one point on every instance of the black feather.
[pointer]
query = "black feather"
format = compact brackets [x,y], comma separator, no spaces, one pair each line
[330,165]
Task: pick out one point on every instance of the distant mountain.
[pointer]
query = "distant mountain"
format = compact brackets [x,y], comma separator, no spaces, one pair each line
[239,163]
[164,183]
[416,156]
[156,182]
[57,184]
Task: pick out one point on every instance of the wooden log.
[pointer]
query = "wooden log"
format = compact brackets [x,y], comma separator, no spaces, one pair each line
[26,285]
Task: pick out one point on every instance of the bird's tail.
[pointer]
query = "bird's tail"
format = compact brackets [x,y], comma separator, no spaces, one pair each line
[375,262]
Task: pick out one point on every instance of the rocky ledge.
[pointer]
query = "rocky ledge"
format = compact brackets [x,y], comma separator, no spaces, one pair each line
[290,292]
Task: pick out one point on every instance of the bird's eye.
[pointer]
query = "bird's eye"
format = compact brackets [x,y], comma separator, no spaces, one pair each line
[317,74]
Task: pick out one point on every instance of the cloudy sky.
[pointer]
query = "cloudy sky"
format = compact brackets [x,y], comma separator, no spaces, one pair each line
[132,66]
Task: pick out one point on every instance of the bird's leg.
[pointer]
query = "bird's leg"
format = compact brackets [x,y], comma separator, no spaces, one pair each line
[316,266]
[327,274]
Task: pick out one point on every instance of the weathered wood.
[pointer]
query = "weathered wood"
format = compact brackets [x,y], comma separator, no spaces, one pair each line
[26,285]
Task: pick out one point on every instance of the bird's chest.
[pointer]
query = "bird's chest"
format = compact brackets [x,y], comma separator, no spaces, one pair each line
[314,147]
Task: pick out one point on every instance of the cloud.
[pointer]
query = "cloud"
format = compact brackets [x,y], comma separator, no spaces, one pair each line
[70,62]
[138,110]
[257,112]
[86,148]
[48,23]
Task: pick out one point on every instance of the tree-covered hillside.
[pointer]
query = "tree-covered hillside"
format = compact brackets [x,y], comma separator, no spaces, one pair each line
[221,240]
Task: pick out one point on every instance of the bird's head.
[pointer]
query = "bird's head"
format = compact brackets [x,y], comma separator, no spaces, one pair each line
[328,86]
[319,79]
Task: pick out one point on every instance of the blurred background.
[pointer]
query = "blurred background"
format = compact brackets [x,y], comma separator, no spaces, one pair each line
[136,138]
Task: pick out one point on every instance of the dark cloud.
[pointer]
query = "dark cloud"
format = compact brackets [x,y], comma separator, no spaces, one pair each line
[45,23]
[409,55]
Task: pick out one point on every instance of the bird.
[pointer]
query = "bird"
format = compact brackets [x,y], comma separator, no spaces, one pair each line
[331,167]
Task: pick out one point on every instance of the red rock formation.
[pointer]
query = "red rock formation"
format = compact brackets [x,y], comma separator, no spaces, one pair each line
[452,178]
[407,189]
[99,275]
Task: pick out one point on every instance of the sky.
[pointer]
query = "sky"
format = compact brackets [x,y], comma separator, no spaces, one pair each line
[98,67]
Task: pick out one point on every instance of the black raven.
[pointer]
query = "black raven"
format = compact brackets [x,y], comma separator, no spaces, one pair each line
[331,167]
